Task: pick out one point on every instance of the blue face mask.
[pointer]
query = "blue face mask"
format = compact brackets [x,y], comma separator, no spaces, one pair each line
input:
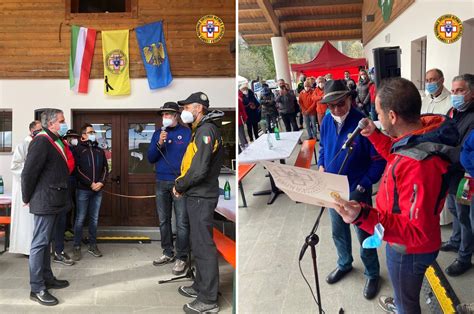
[375,240]
[92,138]
[431,88]
[62,129]
[458,102]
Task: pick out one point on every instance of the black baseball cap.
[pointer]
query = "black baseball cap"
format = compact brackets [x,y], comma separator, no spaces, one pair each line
[72,133]
[169,106]
[198,97]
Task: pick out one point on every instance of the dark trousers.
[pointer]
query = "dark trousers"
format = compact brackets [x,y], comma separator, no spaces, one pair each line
[252,129]
[406,273]
[341,234]
[462,231]
[40,257]
[201,213]
[165,201]
[59,232]
[289,119]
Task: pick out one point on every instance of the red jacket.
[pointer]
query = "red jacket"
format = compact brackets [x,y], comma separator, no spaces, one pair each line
[307,102]
[413,187]
[372,92]
[242,113]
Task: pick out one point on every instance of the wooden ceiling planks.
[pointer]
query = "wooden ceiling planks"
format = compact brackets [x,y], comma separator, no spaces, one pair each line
[32,49]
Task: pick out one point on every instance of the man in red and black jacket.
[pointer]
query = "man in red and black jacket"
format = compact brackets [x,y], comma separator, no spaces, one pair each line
[419,151]
[91,172]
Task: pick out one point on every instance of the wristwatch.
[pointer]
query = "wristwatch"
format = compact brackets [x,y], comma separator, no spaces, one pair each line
[360,188]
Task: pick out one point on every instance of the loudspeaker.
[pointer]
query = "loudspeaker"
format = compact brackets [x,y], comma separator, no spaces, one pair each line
[386,63]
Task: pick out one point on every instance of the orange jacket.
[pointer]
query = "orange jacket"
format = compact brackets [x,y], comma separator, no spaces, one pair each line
[307,103]
[318,95]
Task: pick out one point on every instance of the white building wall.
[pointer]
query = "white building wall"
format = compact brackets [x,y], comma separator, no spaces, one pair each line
[24,96]
[418,21]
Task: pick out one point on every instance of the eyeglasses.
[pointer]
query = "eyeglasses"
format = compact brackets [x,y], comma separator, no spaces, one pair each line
[90,133]
[340,104]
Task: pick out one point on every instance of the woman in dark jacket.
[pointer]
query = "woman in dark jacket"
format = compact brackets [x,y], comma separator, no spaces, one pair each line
[252,108]
[269,109]
[363,95]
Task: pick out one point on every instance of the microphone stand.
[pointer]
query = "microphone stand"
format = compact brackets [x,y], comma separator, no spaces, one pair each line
[312,239]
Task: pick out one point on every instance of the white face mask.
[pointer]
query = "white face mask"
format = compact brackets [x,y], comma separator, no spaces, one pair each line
[187,116]
[167,122]
[245,92]
[340,119]
[307,88]
[74,141]
[321,85]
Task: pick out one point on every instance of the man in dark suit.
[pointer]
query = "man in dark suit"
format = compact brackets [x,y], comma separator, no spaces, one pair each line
[44,183]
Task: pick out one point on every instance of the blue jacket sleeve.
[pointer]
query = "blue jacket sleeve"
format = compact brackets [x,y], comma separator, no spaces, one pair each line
[153,153]
[321,146]
[467,154]
[375,171]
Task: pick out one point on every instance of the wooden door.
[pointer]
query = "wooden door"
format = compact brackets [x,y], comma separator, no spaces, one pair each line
[125,137]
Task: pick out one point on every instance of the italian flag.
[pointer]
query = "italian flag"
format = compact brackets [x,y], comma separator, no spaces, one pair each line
[80,61]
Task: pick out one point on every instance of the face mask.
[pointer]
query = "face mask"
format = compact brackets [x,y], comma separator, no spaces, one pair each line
[187,116]
[91,137]
[458,102]
[431,88]
[245,92]
[340,119]
[321,85]
[375,240]
[167,122]
[307,88]
[372,77]
[74,142]
[363,77]
[35,132]
[62,129]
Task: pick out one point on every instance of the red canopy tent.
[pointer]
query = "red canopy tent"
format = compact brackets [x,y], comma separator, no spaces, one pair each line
[330,60]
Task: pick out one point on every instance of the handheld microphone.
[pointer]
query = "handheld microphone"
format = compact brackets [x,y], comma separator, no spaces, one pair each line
[360,126]
[163,128]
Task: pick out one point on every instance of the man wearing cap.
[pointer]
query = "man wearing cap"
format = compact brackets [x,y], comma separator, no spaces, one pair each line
[364,168]
[166,151]
[199,185]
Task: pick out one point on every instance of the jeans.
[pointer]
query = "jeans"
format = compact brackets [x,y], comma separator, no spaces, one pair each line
[201,213]
[165,201]
[87,202]
[289,119]
[406,273]
[40,258]
[242,139]
[252,129]
[269,120]
[462,231]
[311,126]
[341,234]
[59,230]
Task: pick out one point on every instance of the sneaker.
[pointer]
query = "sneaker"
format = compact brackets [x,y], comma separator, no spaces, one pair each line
[63,258]
[179,267]
[387,304]
[200,307]
[189,292]
[465,308]
[94,250]
[164,259]
[76,253]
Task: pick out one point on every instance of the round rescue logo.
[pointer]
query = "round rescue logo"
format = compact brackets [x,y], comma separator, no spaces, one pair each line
[116,61]
[210,29]
[448,28]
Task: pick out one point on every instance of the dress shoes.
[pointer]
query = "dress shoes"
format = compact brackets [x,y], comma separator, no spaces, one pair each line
[371,288]
[458,268]
[44,298]
[56,284]
[336,275]
[448,247]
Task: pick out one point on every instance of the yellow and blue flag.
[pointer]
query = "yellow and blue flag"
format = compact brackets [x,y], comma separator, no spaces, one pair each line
[116,62]
[151,42]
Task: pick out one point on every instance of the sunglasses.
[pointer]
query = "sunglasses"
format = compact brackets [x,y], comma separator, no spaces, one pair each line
[340,104]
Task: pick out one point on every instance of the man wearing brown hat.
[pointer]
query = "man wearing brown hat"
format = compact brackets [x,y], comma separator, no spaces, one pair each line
[199,185]
[364,167]
[166,151]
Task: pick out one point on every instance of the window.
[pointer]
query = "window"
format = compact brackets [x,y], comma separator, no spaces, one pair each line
[5,131]
[227,129]
[100,6]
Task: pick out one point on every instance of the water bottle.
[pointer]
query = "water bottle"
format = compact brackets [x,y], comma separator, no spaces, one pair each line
[276,130]
[227,190]
[269,140]
[1,186]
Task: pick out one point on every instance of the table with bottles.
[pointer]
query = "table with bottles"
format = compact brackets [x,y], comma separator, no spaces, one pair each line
[268,148]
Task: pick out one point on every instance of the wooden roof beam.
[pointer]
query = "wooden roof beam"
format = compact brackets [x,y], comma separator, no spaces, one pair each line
[323,28]
[319,17]
[256,32]
[256,20]
[323,38]
[287,4]
[269,13]
[248,7]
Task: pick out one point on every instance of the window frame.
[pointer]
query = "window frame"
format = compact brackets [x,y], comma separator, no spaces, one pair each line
[131,5]
[3,118]
[229,112]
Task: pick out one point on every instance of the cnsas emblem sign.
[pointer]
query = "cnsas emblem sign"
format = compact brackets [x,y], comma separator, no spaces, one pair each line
[448,28]
[210,29]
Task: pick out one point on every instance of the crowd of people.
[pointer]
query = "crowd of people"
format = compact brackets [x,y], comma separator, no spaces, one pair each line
[59,173]
[422,154]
